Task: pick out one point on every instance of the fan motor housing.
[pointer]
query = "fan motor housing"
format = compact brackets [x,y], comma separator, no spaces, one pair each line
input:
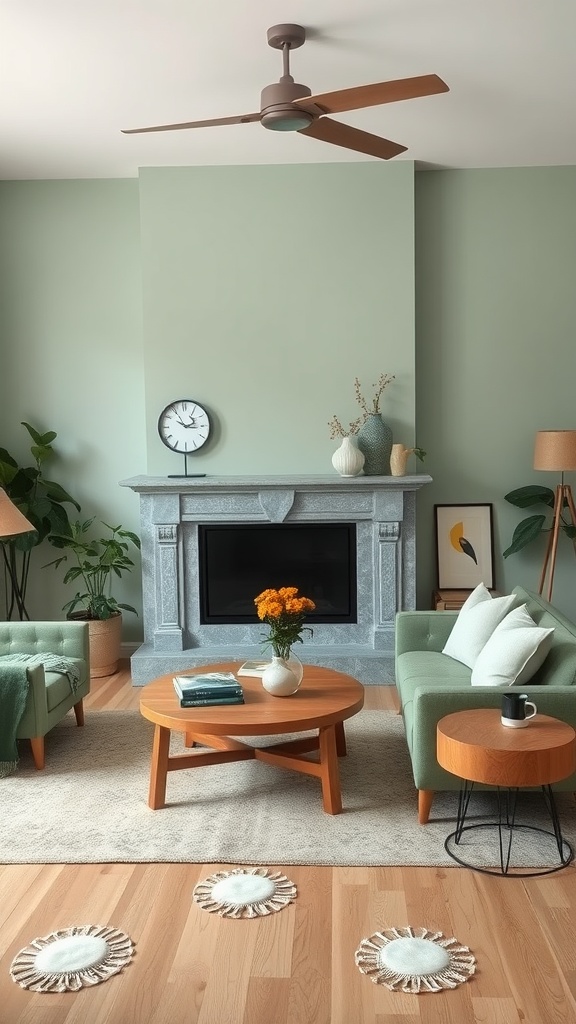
[278,111]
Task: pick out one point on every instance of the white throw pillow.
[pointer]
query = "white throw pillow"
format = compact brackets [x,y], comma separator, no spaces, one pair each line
[477,620]
[514,652]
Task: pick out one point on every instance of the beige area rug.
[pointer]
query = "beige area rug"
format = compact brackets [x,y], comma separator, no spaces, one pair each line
[89,805]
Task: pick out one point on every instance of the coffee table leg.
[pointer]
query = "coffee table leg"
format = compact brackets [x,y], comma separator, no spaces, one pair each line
[159,767]
[331,795]
[340,739]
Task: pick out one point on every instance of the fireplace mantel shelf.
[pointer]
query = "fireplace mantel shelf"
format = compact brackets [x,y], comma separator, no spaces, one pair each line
[173,511]
[183,484]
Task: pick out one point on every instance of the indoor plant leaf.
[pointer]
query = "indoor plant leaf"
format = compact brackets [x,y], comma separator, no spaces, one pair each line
[525,532]
[41,502]
[533,494]
[43,440]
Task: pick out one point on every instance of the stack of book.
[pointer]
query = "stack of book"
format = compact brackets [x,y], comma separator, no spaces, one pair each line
[208,688]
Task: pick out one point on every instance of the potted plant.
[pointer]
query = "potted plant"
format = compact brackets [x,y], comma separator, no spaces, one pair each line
[98,561]
[41,502]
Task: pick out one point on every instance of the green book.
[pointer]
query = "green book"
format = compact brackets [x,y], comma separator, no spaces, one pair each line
[208,701]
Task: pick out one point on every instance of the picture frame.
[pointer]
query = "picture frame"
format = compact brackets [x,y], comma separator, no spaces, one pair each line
[464,546]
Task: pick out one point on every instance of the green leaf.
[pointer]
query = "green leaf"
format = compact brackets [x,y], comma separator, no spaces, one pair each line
[525,532]
[59,522]
[40,453]
[44,440]
[132,537]
[128,608]
[57,493]
[570,532]
[25,541]
[23,483]
[33,432]
[6,457]
[533,494]
[7,474]
[102,607]
[55,562]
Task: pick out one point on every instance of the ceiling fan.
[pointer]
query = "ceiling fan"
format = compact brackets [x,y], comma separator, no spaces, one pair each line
[287,106]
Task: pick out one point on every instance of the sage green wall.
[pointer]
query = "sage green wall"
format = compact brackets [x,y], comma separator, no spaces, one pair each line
[496,355]
[70,323]
[266,291]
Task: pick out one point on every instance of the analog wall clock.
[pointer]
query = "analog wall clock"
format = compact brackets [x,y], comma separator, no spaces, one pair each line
[184,427]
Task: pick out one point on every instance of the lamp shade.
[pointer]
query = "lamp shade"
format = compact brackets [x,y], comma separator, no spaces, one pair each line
[555,450]
[12,521]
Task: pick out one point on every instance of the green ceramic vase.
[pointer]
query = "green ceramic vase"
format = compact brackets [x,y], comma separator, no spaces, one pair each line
[375,443]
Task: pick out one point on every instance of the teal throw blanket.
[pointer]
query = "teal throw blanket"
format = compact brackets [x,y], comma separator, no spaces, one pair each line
[13,694]
[51,662]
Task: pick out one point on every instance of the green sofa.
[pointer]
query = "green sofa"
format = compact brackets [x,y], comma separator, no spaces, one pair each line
[431,685]
[49,695]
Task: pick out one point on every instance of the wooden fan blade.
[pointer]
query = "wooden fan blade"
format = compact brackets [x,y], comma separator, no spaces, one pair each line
[327,130]
[239,119]
[374,95]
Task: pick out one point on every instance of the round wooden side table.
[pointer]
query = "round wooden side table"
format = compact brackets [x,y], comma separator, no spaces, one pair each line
[475,746]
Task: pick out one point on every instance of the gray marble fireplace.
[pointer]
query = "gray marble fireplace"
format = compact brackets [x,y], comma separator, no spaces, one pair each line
[173,509]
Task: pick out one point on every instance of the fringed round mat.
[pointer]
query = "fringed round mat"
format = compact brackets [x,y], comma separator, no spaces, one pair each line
[414,960]
[245,892]
[72,958]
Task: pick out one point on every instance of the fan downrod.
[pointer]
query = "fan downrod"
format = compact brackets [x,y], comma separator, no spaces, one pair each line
[292,36]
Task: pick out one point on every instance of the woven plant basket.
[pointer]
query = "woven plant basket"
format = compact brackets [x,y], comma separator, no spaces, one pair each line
[105,636]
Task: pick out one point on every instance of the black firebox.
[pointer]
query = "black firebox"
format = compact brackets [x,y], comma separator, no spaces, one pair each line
[239,561]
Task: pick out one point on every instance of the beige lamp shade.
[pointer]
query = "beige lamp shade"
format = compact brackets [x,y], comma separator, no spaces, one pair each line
[12,521]
[555,450]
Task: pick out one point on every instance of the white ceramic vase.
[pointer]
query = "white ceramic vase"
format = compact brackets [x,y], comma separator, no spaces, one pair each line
[348,460]
[282,677]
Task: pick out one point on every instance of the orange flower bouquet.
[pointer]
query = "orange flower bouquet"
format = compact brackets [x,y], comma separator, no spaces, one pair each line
[284,612]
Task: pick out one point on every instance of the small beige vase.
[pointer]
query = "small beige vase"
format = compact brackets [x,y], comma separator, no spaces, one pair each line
[398,459]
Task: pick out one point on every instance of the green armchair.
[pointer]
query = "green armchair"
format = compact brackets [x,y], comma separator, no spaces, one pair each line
[49,696]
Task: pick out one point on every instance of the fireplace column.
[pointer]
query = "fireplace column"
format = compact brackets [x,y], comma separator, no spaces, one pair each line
[161,549]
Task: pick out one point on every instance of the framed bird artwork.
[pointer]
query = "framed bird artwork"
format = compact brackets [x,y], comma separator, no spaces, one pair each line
[464,546]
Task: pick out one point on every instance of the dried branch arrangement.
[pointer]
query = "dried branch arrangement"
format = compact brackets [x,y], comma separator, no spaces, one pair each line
[336,428]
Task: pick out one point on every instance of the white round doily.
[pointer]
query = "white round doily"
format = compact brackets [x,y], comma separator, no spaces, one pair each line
[71,958]
[414,960]
[245,892]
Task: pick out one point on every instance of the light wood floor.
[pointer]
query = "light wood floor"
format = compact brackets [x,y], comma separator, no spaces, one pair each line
[297,966]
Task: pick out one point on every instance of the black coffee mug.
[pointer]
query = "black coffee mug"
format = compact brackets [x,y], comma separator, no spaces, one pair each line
[514,710]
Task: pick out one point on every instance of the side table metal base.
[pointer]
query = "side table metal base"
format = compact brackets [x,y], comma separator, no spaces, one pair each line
[507,827]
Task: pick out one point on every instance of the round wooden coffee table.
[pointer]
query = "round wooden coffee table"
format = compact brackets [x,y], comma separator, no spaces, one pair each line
[325,699]
[475,746]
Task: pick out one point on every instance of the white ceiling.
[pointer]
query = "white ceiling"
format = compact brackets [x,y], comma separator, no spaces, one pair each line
[74,72]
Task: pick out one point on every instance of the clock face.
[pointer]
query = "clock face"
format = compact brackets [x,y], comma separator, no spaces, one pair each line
[184,426]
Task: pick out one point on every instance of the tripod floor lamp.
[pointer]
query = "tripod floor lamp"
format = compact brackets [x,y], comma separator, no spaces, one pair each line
[555,450]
